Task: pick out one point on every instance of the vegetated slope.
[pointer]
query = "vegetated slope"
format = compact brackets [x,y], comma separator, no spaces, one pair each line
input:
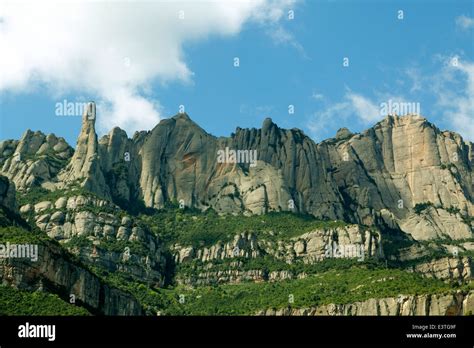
[156,223]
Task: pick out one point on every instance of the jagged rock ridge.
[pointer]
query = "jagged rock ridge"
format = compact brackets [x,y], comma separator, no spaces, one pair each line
[376,177]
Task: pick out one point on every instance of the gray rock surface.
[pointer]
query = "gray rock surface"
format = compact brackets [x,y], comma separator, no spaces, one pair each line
[376,177]
[460,303]
[54,269]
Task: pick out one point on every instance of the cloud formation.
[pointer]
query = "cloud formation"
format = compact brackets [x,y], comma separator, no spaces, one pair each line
[450,84]
[465,22]
[115,50]
[453,88]
[361,109]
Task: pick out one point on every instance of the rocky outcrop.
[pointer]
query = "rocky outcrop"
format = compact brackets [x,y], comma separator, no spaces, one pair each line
[378,177]
[350,241]
[459,303]
[121,165]
[436,223]
[448,269]
[90,228]
[228,276]
[55,273]
[373,178]
[400,182]
[34,160]
[233,275]
[402,162]
[84,167]
[178,161]
[305,172]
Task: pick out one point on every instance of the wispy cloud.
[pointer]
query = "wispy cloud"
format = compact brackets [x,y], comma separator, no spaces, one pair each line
[464,22]
[353,106]
[93,48]
[282,36]
[322,123]
[414,75]
[453,87]
[365,109]
[450,83]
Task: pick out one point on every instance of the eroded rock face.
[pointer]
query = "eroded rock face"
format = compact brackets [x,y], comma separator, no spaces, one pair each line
[320,244]
[350,242]
[34,160]
[306,174]
[84,167]
[401,162]
[376,177]
[448,269]
[110,242]
[460,303]
[53,272]
[435,223]
[178,161]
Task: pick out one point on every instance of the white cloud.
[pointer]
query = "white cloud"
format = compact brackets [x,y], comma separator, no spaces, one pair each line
[114,50]
[465,22]
[453,87]
[414,75]
[450,81]
[334,116]
[322,123]
[281,36]
[365,109]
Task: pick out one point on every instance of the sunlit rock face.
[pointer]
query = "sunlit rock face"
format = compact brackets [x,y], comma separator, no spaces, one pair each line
[403,173]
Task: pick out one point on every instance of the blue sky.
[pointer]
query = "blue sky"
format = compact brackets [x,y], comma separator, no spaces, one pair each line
[425,58]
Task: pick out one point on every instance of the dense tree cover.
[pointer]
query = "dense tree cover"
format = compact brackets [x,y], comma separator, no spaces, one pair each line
[191,227]
[22,302]
[331,281]
[333,286]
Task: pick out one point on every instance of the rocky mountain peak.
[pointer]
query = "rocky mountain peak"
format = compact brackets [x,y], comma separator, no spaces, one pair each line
[30,142]
[182,116]
[382,173]
[405,120]
[267,124]
[343,133]
[84,167]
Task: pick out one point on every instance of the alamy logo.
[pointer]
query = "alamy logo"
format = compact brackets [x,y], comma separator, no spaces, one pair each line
[19,251]
[37,331]
[399,108]
[67,108]
[237,156]
[348,251]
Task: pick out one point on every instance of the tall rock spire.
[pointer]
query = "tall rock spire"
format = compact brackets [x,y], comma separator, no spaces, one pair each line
[84,167]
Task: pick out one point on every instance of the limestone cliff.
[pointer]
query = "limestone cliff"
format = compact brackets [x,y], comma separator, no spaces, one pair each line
[403,188]
[448,304]
[387,170]
[54,272]
[84,167]
[34,160]
[403,173]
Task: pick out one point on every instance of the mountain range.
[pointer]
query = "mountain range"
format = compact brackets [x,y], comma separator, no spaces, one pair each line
[164,211]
